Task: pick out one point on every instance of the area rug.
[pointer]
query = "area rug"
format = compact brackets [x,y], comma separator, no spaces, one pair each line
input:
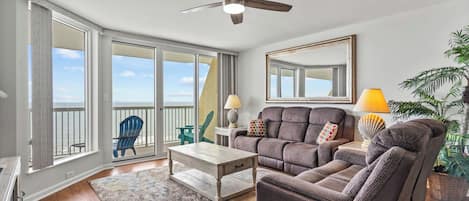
[154,184]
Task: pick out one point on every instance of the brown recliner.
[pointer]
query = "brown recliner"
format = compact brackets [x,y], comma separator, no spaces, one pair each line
[396,166]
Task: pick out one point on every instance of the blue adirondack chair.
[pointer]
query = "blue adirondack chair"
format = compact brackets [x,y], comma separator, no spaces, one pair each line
[186,134]
[129,130]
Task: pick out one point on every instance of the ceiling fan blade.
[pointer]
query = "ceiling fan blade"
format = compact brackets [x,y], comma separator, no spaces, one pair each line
[237,18]
[202,7]
[268,5]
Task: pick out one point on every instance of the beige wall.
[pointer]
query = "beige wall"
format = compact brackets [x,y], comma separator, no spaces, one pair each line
[209,99]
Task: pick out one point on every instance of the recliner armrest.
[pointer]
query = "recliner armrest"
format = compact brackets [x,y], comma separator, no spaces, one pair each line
[237,132]
[327,149]
[301,187]
[351,156]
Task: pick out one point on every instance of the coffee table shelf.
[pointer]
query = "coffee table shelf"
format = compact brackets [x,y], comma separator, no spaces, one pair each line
[212,168]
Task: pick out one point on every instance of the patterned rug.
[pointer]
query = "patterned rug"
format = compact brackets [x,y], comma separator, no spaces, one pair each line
[154,184]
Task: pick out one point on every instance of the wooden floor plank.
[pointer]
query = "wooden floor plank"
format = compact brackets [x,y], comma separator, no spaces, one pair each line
[82,191]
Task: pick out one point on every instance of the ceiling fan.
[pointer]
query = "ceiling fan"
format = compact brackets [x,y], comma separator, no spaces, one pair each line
[236,7]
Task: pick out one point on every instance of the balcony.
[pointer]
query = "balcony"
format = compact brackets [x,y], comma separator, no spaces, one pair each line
[70,136]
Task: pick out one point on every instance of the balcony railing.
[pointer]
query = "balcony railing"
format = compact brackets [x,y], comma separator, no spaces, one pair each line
[69,126]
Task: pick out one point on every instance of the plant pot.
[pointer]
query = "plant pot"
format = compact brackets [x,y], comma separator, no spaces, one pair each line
[444,187]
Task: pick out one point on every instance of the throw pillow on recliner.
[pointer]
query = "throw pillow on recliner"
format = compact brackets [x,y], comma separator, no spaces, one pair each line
[256,128]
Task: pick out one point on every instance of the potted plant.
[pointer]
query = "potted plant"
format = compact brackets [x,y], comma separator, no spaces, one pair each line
[451,173]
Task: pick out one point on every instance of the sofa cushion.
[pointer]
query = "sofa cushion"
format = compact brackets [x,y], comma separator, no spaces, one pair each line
[272,117]
[296,114]
[294,169]
[319,173]
[292,131]
[247,143]
[301,154]
[318,117]
[336,175]
[312,133]
[324,114]
[272,147]
[294,123]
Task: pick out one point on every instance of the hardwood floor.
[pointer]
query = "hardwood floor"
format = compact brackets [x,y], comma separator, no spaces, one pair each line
[82,190]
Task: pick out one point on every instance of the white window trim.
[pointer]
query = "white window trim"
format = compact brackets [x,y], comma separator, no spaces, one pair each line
[89,88]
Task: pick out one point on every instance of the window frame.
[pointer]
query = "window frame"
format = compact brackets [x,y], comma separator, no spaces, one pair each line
[88,84]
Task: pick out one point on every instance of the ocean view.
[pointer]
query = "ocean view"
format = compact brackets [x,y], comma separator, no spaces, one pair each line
[121,104]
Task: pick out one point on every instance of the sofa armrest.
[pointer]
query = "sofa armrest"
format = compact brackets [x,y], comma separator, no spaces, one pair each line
[297,186]
[351,156]
[327,149]
[237,132]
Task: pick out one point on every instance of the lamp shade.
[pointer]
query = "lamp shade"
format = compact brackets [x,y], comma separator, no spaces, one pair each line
[233,102]
[372,100]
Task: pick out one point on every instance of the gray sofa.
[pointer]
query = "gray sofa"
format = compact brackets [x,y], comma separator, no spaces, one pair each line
[396,167]
[290,144]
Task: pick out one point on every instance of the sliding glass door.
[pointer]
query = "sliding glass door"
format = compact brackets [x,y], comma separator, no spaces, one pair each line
[178,98]
[161,98]
[207,101]
[133,105]
[190,91]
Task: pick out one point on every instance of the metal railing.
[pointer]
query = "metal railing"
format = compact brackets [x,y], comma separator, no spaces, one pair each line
[70,136]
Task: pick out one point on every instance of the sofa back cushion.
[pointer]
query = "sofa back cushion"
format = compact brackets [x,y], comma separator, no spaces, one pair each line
[272,117]
[294,123]
[318,117]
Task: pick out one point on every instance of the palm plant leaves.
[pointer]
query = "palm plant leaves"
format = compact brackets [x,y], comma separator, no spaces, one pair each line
[459,46]
[431,80]
[407,109]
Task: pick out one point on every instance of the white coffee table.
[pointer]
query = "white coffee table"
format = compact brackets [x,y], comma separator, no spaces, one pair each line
[210,164]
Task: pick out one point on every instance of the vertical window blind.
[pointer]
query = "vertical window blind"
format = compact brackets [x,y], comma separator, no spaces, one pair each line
[227,83]
[42,109]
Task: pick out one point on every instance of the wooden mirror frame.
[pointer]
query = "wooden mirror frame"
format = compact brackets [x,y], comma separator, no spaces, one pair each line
[351,60]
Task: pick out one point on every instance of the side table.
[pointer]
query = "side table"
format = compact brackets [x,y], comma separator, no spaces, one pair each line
[222,136]
[355,145]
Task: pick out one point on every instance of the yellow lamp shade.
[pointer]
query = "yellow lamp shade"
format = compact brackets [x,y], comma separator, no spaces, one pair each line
[372,100]
[233,102]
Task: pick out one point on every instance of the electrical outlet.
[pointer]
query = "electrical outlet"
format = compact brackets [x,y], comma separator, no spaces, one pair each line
[69,174]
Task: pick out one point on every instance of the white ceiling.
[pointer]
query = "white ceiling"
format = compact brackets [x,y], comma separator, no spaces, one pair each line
[212,27]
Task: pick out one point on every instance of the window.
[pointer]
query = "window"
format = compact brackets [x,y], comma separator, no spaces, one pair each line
[287,83]
[69,98]
[318,82]
[69,58]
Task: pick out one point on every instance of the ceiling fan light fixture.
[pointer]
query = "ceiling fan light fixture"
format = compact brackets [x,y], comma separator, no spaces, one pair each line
[234,6]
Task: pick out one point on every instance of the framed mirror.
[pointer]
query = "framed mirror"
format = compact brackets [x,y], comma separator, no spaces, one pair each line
[322,72]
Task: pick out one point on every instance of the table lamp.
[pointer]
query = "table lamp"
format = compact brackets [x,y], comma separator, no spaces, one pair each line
[371,101]
[233,104]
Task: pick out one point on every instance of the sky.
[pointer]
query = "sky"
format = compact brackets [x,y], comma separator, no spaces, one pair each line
[132,79]
[313,87]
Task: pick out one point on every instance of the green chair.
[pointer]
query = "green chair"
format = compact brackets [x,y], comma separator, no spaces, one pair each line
[186,134]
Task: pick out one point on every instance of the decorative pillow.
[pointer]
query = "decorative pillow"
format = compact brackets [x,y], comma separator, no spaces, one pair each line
[328,132]
[256,128]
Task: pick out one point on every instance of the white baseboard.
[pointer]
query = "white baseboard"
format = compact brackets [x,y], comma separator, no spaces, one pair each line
[66,183]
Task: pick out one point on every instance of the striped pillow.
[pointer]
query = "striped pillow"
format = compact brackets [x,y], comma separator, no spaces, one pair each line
[256,128]
[328,133]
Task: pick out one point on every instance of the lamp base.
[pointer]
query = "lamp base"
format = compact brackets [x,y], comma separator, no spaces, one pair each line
[369,125]
[232,117]
[233,125]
